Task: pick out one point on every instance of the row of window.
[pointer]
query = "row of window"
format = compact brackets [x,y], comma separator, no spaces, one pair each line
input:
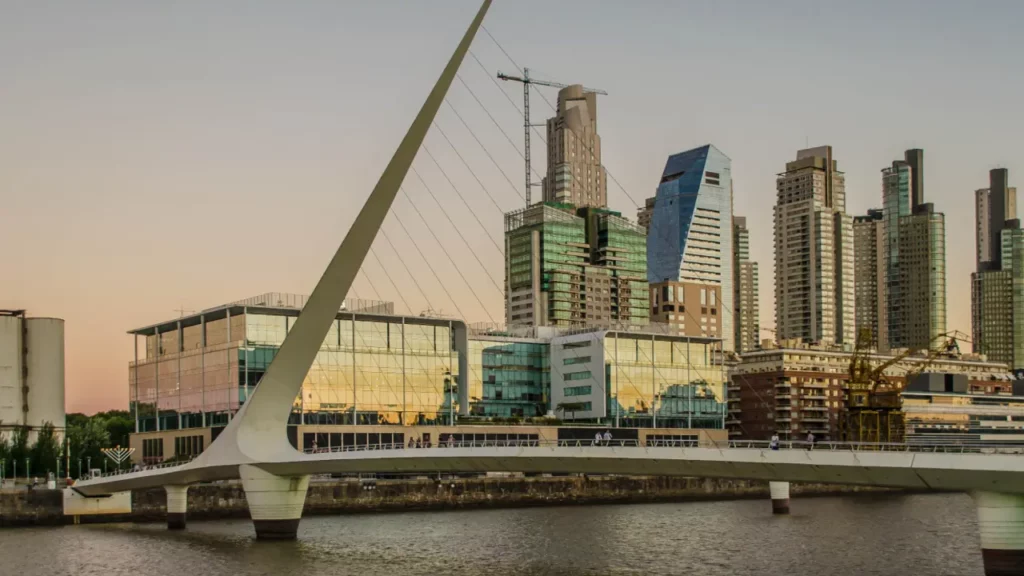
[578,390]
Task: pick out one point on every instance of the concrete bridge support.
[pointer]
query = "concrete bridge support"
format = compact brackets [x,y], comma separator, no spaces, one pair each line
[780,497]
[275,502]
[177,506]
[1001,525]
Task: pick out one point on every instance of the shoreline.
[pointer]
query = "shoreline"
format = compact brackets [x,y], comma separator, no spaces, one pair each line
[348,497]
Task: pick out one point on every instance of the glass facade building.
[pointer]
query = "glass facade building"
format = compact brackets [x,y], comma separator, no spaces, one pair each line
[508,377]
[573,268]
[638,380]
[371,369]
[690,238]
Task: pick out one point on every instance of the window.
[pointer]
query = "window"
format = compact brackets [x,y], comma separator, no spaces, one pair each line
[578,376]
[671,294]
[578,391]
[580,344]
[713,297]
[576,360]
[153,450]
[703,297]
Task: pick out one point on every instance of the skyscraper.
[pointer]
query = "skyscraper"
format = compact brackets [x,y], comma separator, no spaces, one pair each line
[997,286]
[993,206]
[566,267]
[575,174]
[915,253]
[746,315]
[869,278]
[689,247]
[814,285]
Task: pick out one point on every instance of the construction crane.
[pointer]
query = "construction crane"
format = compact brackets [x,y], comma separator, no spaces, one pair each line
[874,407]
[526,81]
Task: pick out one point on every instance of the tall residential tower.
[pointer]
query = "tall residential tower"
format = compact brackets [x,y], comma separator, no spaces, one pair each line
[997,286]
[746,317]
[575,174]
[814,286]
[869,274]
[915,256]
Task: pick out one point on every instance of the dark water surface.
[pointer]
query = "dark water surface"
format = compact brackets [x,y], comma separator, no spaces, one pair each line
[878,534]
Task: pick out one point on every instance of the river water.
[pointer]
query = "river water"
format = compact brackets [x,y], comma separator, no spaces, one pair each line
[934,534]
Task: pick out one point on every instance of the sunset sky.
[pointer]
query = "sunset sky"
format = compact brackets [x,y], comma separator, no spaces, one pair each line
[159,156]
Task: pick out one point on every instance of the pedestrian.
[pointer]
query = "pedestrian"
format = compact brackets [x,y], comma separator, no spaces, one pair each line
[419,443]
[810,440]
[451,440]
[607,437]
[774,443]
[597,438]
[412,442]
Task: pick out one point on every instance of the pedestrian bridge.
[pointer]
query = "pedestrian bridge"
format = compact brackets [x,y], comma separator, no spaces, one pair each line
[955,467]
[254,447]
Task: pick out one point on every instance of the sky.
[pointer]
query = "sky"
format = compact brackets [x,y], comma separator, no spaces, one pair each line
[160,157]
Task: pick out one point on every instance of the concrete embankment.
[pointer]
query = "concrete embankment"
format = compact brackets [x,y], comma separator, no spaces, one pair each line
[227,500]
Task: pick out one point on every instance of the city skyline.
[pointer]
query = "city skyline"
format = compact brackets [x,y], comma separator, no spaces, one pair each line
[107,166]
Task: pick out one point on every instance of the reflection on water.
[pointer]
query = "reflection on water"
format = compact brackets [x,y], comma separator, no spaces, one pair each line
[879,534]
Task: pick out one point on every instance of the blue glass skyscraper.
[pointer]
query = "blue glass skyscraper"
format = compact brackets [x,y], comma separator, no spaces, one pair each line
[690,242]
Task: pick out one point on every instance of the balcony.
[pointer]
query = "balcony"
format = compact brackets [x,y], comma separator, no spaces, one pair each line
[815,408]
[814,396]
[814,419]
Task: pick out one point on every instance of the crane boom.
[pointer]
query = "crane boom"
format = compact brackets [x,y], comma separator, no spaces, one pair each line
[528,80]
[525,80]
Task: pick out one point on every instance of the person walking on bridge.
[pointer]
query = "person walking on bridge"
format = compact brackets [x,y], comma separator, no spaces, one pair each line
[607,438]
[774,443]
[597,438]
[810,440]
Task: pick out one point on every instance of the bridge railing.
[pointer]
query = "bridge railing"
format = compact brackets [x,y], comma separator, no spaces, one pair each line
[951,448]
[142,468]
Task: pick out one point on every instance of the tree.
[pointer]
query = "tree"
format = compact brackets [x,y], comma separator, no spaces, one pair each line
[46,451]
[87,437]
[5,454]
[570,407]
[19,447]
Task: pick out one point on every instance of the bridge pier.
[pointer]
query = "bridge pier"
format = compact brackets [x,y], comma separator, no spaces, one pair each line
[177,506]
[780,497]
[275,502]
[1001,525]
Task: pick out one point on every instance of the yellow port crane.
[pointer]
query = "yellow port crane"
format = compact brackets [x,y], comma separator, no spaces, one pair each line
[874,406]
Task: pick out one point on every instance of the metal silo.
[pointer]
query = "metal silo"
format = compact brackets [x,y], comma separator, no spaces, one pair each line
[45,378]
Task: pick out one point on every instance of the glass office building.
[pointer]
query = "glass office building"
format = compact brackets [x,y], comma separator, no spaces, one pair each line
[376,369]
[638,379]
[508,377]
[690,237]
[373,367]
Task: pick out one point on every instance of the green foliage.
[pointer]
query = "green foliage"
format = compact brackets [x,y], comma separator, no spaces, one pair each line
[46,451]
[87,437]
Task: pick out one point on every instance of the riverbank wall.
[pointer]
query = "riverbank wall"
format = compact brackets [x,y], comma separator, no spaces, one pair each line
[227,500]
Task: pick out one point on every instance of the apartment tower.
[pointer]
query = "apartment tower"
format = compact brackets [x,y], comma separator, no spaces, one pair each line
[575,174]
[746,319]
[869,267]
[915,254]
[997,286]
[814,285]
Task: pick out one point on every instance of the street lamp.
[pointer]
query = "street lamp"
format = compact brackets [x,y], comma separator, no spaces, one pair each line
[79,468]
[88,465]
[28,469]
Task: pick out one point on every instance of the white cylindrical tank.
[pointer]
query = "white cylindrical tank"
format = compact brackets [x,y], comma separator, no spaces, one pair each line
[45,381]
[10,372]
